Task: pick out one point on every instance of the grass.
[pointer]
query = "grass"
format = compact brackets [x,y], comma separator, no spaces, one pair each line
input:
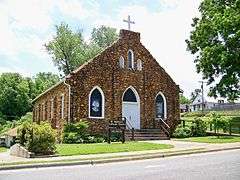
[212,139]
[3,149]
[83,149]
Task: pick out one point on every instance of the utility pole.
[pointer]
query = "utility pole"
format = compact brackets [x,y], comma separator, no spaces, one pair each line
[202,83]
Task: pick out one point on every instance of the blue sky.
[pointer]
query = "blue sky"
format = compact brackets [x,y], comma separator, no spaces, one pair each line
[164,25]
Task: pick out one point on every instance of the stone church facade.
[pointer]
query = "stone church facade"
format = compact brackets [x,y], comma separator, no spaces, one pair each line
[122,81]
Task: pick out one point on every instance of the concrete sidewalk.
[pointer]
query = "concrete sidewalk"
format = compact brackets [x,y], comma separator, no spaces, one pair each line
[180,147]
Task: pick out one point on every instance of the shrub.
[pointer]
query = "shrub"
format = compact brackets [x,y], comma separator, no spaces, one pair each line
[75,133]
[194,114]
[198,127]
[219,122]
[94,139]
[39,139]
[182,132]
[116,136]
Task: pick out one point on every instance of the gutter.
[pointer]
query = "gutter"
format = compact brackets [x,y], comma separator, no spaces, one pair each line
[69,99]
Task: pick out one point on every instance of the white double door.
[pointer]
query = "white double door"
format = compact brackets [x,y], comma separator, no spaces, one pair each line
[131,110]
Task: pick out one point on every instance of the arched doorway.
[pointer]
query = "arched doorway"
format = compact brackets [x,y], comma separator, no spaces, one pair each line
[131,107]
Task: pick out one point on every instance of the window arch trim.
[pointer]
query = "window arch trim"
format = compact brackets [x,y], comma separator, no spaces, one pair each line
[121,62]
[139,64]
[103,103]
[135,93]
[164,105]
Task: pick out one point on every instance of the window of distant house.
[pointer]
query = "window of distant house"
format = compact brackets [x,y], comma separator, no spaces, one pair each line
[139,64]
[130,59]
[96,103]
[121,62]
[160,106]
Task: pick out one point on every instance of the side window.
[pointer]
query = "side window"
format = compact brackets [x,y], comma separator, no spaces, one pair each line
[96,103]
[160,105]
[121,62]
[139,65]
[130,59]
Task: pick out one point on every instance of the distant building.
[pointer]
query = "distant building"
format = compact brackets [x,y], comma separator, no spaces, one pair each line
[184,108]
[212,104]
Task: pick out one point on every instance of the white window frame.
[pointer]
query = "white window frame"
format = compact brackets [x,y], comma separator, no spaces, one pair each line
[139,64]
[121,62]
[43,111]
[103,103]
[62,106]
[51,109]
[165,104]
[132,67]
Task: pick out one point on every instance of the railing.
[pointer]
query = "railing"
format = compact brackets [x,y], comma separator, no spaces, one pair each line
[121,123]
[128,126]
[164,126]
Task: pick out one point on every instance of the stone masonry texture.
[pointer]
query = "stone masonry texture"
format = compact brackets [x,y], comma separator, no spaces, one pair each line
[104,71]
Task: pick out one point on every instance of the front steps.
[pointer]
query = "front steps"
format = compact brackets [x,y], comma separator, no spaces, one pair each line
[146,134]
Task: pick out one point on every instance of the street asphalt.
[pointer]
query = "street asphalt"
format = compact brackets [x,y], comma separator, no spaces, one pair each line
[214,165]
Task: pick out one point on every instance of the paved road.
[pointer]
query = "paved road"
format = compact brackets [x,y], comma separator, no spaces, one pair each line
[218,165]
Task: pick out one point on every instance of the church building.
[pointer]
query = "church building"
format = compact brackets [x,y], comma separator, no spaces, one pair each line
[124,80]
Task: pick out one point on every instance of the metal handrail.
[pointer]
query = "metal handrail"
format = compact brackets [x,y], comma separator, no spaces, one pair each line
[164,123]
[168,127]
[129,126]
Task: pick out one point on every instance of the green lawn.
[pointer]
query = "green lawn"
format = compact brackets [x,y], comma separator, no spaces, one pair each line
[81,149]
[3,149]
[213,139]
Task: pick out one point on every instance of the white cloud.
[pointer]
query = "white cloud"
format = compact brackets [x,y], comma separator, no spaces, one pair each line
[76,9]
[164,34]
[26,26]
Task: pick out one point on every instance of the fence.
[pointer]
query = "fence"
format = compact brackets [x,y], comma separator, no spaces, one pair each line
[233,129]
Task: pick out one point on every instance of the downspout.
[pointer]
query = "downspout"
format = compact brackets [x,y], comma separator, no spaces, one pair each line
[69,99]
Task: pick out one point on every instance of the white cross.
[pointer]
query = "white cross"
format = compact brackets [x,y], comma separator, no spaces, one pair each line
[129,22]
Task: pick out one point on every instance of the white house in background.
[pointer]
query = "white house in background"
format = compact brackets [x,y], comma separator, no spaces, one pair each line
[197,104]
[212,104]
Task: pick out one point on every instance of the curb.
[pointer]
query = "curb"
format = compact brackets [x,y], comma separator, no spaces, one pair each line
[111,160]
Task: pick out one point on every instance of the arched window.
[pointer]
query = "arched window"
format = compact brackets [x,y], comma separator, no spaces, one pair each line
[121,62]
[129,96]
[96,103]
[139,64]
[130,59]
[161,106]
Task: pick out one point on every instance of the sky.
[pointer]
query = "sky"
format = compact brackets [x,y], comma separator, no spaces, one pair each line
[25,26]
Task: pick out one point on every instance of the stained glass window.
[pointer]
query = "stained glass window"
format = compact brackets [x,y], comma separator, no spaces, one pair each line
[96,104]
[130,59]
[160,107]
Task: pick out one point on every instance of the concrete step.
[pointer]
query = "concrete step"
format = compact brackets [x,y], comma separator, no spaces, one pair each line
[146,134]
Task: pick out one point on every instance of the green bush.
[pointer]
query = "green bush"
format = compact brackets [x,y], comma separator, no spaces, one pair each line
[182,132]
[75,132]
[219,122]
[198,127]
[94,139]
[116,136]
[193,114]
[39,139]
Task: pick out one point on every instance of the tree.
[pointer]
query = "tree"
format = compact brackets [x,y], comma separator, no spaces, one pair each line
[104,36]
[194,94]
[184,100]
[69,50]
[14,95]
[215,43]
[43,81]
